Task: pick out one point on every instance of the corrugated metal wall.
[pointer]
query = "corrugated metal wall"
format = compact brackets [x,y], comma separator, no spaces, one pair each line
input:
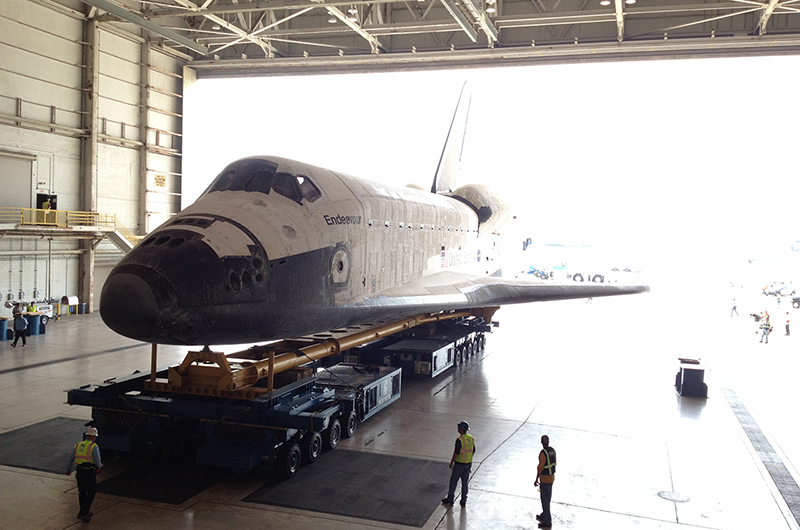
[42,126]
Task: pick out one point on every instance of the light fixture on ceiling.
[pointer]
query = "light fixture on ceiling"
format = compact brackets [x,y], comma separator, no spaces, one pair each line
[332,20]
[605,2]
[630,2]
[490,8]
[215,27]
[353,10]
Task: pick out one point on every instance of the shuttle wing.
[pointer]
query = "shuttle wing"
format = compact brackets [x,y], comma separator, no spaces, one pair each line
[455,290]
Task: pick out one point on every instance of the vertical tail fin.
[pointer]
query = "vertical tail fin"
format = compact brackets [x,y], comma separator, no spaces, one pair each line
[449,167]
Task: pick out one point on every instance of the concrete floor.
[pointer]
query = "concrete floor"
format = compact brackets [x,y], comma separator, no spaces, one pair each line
[597,378]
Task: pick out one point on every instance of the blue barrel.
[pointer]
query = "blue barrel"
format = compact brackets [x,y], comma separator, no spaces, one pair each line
[33,324]
[3,329]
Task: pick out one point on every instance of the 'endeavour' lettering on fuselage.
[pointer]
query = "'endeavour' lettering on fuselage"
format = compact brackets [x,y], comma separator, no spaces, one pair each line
[342,219]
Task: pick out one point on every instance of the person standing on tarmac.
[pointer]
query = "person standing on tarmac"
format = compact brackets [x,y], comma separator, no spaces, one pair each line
[766,327]
[787,323]
[545,476]
[20,325]
[461,464]
[86,456]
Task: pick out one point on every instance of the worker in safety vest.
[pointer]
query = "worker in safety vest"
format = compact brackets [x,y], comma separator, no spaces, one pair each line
[86,456]
[461,464]
[545,475]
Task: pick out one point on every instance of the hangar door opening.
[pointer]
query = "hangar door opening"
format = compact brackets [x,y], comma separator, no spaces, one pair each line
[17,176]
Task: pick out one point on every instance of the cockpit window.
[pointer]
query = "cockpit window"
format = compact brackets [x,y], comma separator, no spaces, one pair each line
[307,189]
[286,185]
[262,180]
[257,175]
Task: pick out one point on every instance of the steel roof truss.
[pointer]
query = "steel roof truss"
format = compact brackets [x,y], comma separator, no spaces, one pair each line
[267,48]
[375,44]
[459,16]
[483,21]
[705,20]
[620,20]
[266,28]
[762,23]
[134,18]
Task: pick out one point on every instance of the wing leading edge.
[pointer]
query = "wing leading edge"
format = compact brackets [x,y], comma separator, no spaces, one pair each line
[453,290]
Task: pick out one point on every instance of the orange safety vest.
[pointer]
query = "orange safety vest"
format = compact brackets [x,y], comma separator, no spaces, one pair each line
[83,452]
[467,449]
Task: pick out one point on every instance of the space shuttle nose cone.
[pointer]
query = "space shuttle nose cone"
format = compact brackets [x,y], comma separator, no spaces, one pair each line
[128,306]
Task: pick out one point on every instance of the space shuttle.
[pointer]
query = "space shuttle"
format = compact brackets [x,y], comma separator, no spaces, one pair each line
[277,248]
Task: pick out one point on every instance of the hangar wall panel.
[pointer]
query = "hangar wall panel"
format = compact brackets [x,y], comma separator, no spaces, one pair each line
[119,188]
[42,123]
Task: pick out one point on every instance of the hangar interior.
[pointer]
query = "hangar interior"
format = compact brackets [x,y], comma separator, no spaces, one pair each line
[91,95]
[91,119]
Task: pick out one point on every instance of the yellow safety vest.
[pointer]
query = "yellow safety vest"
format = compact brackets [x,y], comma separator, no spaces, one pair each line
[467,449]
[550,461]
[83,452]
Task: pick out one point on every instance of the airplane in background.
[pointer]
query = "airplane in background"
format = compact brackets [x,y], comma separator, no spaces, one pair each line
[276,248]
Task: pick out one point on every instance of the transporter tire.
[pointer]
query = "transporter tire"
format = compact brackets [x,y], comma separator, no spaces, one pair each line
[332,435]
[796,304]
[289,459]
[598,278]
[577,277]
[44,320]
[471,349]
[311,446]
[350,425]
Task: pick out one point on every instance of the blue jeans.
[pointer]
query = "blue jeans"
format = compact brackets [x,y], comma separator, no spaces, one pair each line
[460,472]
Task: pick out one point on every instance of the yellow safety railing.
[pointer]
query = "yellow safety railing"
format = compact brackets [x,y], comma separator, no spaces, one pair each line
[65,219]
[127,234]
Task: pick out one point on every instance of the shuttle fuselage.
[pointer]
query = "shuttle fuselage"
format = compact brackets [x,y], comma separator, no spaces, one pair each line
[275,248]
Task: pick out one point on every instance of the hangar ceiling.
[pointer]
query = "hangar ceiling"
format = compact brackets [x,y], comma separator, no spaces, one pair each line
[267,37]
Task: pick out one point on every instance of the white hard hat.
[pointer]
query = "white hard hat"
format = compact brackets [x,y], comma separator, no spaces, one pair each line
[91,432]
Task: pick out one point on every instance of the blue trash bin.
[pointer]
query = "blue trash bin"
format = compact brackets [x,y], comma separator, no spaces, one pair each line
[3,329]
[34,322]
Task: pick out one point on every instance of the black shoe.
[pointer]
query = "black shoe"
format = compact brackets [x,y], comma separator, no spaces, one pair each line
[463,503]
[447,501]
[545,525]
[13,345]
[539,517]
[88,517]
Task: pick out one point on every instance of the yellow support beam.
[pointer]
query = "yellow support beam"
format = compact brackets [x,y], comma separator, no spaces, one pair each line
[215,374]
